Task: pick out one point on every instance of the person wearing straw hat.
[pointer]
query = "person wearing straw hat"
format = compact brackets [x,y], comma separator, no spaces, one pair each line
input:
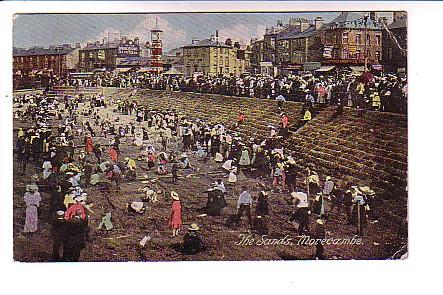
[76,230]
[192,241]
[175,220]
[301,214]
[319,234]
[262,208]
[358,217]
[184,161]
[328,187]
[32,199]
[58,234]
[244,205]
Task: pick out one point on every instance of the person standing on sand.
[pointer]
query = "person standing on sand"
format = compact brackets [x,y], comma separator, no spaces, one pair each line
[175,220]
[32,199]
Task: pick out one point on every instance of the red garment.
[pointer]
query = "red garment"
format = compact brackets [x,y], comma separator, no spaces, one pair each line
[176,215]
[151,158]
[70,213]
[241,118]
[113,154]
[88,145]
[285,121]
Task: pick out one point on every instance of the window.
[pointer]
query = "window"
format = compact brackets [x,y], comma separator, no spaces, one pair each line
[377,39]
[358,38]
[357,54]
[368,54]
[368,39]
[377,55]
[345,39]
[345,53]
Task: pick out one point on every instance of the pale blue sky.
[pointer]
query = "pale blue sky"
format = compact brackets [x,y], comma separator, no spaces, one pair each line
[51,29]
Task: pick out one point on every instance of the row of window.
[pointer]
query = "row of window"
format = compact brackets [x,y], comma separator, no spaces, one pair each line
[358,39]
[359,55]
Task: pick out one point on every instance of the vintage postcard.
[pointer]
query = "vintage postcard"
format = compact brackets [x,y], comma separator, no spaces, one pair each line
[210,136]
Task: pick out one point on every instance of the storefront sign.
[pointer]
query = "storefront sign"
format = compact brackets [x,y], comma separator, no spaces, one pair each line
[377,67]
[327,51]
[344,62]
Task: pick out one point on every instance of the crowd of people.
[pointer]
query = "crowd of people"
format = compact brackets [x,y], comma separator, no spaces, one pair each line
[72,160]
[363,90]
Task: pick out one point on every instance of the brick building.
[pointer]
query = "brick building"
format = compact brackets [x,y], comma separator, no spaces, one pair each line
[395,55]
[55,60]
[348,40]
[352,39]
[108,55]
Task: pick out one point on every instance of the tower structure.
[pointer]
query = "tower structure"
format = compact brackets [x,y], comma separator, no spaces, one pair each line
[156,49]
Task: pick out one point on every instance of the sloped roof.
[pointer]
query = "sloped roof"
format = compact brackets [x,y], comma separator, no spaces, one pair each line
[352,20]
[42,51]
[399,23]
[207,43]
[173,52]
[101,46]
[296,34]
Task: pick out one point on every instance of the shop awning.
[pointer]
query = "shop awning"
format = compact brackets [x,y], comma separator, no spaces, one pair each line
[143,70]
[122,70]
[357,69]
[325,69]
[172,72]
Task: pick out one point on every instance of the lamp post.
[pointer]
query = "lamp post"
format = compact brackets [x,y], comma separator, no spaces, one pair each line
[366,39]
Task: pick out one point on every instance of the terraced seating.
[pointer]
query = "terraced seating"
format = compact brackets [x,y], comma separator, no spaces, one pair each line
[369,150]
[70,90]
[222,109]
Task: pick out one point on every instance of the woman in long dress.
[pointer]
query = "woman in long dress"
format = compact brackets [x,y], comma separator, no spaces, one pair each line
[176,214]
[88,144]
[32,199]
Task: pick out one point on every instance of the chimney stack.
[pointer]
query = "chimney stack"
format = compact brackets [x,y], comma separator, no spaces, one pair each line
[195,40]
[318,23]
[304,24]
[77,45]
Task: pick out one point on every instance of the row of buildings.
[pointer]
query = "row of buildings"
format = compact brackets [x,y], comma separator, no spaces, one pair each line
[350,40]
[119,54]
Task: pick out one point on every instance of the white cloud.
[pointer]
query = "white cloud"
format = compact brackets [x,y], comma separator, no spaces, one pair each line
[241,33]
[172,37]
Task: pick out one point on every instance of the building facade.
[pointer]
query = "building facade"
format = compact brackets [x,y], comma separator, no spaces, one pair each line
[396,44]
[55,60]
[108,55]
[210,57]
[350,39]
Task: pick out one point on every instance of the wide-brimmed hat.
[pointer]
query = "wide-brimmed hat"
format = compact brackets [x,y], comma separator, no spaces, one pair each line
[184,155]
[328,178]
[174,195]
[150,192]
[31,187]
[320,221]
[291,160]
[80,199]
[264,193]
[137,206]
[194,227]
